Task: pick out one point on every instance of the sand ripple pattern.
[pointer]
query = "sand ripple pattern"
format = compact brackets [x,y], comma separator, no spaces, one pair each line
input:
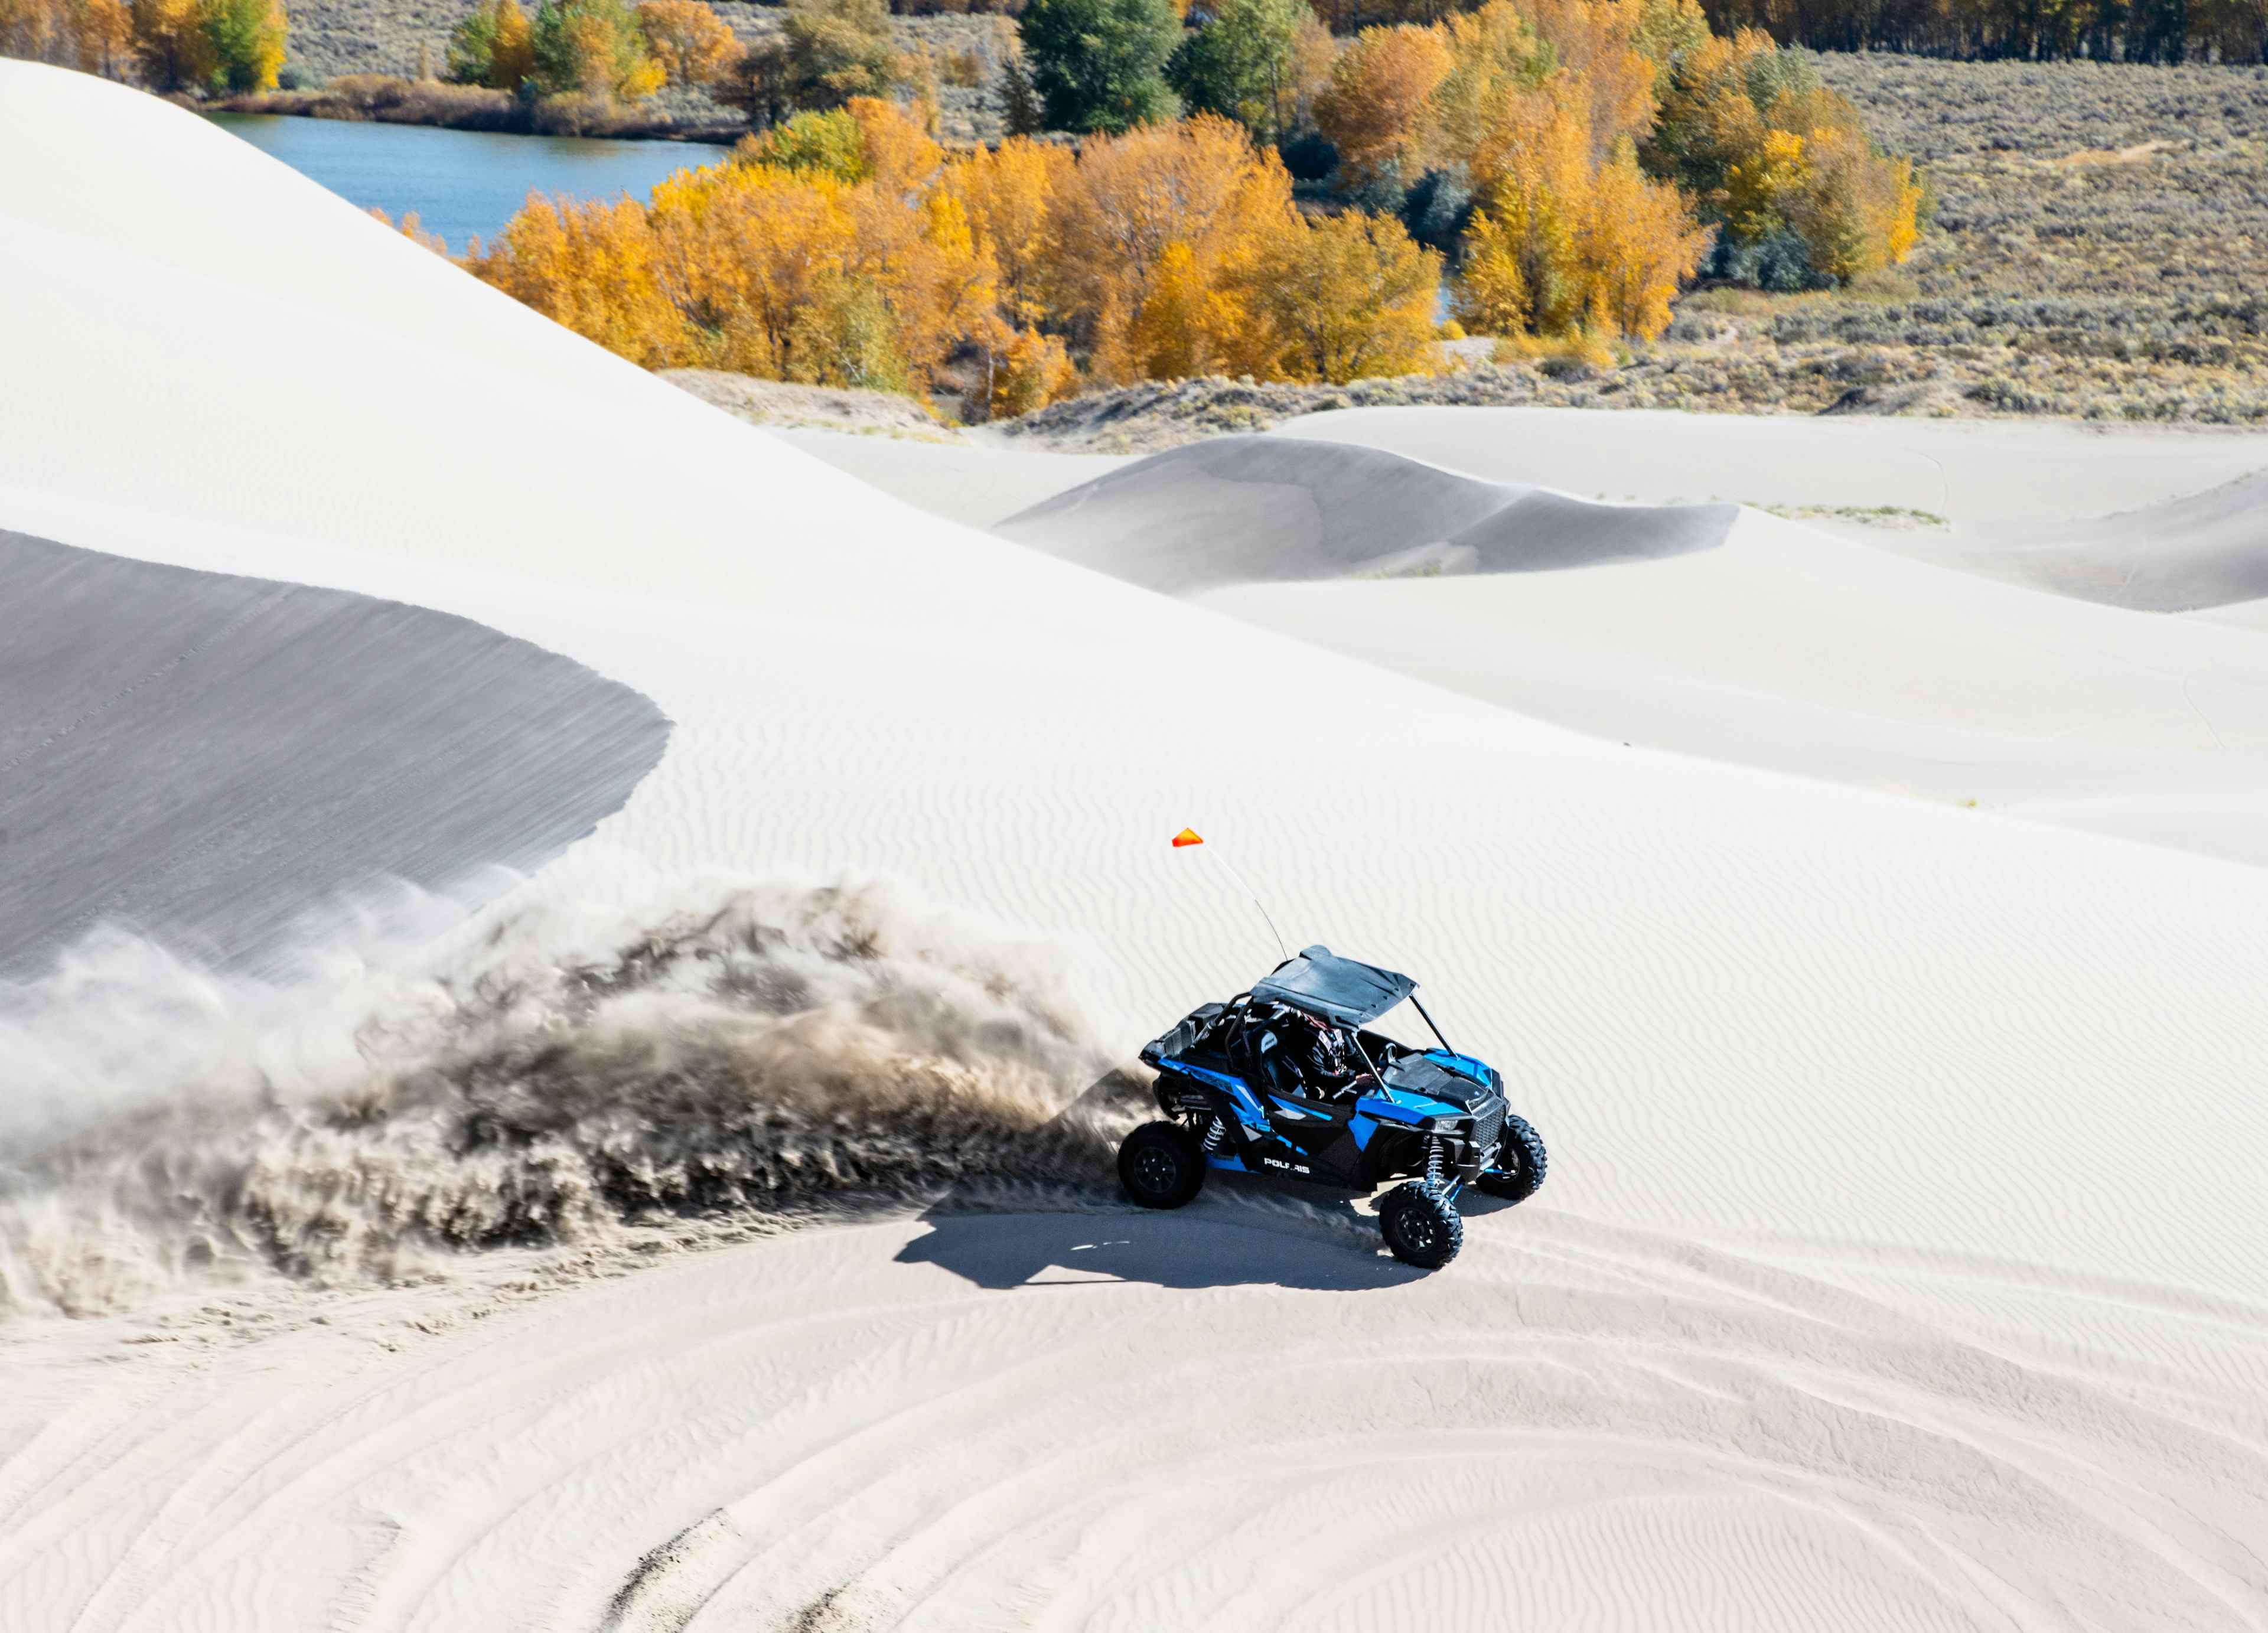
[1238,1416]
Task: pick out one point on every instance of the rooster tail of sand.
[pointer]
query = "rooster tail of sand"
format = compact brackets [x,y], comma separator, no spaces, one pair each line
[559,1072]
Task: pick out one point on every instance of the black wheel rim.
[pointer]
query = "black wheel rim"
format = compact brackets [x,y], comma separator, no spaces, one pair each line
[1418,1233]
[1156,1170]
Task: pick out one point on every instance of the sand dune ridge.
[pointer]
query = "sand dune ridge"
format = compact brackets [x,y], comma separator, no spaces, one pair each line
[1238,510]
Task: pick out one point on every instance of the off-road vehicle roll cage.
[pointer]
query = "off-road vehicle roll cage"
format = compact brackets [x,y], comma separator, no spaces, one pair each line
[1288,1080]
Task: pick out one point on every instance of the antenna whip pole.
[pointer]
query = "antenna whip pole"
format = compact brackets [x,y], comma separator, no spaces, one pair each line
[1189,836]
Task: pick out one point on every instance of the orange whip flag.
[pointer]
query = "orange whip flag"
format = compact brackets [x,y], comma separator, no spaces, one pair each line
[1191,836]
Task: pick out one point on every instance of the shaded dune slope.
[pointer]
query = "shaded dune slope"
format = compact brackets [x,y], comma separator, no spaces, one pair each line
[2206,549]
[203,755]
[1243,509]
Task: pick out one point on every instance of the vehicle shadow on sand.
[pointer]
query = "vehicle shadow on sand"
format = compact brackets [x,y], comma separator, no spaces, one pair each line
[1317,1240]
[1209,1244]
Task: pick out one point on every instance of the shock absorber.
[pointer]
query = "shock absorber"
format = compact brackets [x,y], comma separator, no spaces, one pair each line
[1215,1131]
[1433,1175]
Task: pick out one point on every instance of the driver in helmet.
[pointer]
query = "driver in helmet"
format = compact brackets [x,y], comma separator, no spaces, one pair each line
[1303,1054]
[1335,1065]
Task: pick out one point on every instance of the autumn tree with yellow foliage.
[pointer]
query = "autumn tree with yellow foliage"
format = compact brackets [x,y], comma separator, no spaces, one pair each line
[847,248]
[92,36]
[863,274]
[592,49]
[171,46]
[1378,108]
[1494,56]
[689,41]
[1608,146]
[1344,297]
[198,45]
[1007,194]
[248,39]
[1801,193]
[1611,148]
[1197,184]
[1010,193]
[592,267]
[493,45]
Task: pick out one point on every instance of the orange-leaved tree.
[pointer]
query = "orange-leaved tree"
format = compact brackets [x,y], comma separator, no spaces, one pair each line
[171,46]
[1593,42]
[1010,193]
[1563,244]
[1522,261]
[1493,55]
[1032,370]
[745,252]
[1340,298]
[595,268]
[1179,253]
[492,45]
[1007,194]
[90,35]
[1377,107]
[1638,243]
[1198,184]
[858,270]
[690,42]
[844,248]
[412,228]
[1800,194]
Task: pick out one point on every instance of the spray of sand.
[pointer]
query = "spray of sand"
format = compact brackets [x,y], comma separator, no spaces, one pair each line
[544,1072]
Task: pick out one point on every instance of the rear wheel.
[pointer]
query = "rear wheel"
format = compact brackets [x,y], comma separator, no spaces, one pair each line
[1421,1225]
[1520,1163]
[1162,1166]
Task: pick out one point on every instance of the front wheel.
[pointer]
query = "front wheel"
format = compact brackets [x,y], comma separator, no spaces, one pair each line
[1162,1166]
[1421,1225]
[1520,1163]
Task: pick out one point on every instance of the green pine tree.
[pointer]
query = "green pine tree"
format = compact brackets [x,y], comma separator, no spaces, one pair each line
[1098,64]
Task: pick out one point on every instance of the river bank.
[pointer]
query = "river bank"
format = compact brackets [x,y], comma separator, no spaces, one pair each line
[382,99]
[408,41]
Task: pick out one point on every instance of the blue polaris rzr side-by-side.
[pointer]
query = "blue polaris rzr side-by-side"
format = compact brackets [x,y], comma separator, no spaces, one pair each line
[1285,1079]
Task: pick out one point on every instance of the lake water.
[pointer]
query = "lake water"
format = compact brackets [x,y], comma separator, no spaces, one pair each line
[461,182]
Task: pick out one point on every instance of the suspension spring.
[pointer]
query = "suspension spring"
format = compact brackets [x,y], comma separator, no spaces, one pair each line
[1433,1160]
[1215,1131]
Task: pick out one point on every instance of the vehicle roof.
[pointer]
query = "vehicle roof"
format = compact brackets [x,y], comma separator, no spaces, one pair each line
[1322,983]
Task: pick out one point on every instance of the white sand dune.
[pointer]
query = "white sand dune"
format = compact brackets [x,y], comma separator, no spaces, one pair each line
[1978,474]
[948,481]
[2244,614]
[1902,1263]
[1240,510]
[2201,550]
[1825,657]
[202,757]
[1828,657]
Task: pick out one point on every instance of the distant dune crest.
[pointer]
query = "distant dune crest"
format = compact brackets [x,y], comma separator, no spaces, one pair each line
[1259,510]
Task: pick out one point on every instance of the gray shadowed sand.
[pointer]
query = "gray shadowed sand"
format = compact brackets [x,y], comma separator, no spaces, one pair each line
[204,757]
[2204,549]
[1244,510]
